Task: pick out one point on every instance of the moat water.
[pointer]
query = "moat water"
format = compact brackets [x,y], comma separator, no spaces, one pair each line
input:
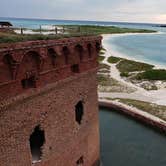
[125,142]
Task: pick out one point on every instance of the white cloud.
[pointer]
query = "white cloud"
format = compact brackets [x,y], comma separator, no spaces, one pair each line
[108,10]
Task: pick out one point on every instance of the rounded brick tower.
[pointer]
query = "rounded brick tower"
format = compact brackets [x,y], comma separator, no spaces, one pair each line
[48,103]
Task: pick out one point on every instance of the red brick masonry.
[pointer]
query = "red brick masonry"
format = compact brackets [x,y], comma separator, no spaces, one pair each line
[41,82]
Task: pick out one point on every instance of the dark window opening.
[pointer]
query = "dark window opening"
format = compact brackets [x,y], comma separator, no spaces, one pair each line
[80,161]
[37,140]
[89,50]
[79,112]
[52,55]
[66,53]
[75,68]
[8,61]
[79,50]
[29,83]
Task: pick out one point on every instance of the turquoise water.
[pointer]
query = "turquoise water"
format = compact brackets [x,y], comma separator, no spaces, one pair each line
[149,48]
[125,142]
[35,23]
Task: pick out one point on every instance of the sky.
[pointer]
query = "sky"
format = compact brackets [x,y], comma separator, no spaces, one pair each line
[149,11]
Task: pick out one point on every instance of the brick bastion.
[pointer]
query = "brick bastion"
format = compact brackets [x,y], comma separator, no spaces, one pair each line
[48,103]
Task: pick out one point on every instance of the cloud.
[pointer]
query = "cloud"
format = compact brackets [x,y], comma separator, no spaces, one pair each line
[107,10]
[161,18]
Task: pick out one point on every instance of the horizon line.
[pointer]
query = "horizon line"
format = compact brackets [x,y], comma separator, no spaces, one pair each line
[52,19]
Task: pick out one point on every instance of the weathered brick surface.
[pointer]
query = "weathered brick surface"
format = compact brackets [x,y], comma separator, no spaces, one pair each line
[51,104]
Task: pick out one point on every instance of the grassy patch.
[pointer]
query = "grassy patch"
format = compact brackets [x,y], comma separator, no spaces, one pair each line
[131,66]
[124,74]
[100,58]
[103,66]
[153,74]
[70,31]
[102,52]
[108,84]
[104,80]
[12,37]
[106,29]
[154,109]
[113,59]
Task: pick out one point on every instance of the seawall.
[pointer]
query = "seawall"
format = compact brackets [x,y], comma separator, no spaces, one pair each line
[138,115]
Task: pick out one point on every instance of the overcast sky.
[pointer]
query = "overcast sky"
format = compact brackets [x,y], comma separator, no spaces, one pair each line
[103,10]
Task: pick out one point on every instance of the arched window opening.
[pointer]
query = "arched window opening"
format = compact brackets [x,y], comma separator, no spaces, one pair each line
[37,140]
[29,83]
[52,56]
[31,61]
[7,67]
[79,112]
[89,46]
[75,68]
[7,59]
[79,51]
[66,53]
[80,161]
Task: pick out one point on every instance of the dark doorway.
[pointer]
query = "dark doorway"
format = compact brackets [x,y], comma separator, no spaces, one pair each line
[75,68]
[37,140]
[79,112]
[29,83]
[89,50]
[80,161]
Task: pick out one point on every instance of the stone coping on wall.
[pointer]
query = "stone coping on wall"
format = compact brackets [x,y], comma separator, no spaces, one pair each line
[46,43]
[137,114]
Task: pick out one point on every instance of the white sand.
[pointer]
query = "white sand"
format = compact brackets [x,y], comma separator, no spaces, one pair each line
[49,31]
[157,97]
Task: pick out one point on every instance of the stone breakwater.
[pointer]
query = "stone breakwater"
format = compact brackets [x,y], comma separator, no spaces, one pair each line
[139,115]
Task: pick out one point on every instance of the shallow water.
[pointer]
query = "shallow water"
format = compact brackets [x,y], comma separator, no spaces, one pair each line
[149,48]
[125,142]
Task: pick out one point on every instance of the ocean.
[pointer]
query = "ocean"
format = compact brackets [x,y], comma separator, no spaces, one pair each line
[147,48]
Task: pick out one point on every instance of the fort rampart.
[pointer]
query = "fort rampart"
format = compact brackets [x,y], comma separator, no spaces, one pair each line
[48,102]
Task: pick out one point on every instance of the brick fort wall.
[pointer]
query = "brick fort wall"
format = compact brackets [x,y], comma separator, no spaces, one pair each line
[48,103]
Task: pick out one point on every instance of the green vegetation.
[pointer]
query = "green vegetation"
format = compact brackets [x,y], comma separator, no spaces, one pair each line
[153,74]
[101,58]
[103,66]
[154,109]
[125,66]
[113,59]
[108,84]
[102,52]
[131,66]
[12,37]
[124,74]
[104,80]
[69,31]
[138,70]
[92,29]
